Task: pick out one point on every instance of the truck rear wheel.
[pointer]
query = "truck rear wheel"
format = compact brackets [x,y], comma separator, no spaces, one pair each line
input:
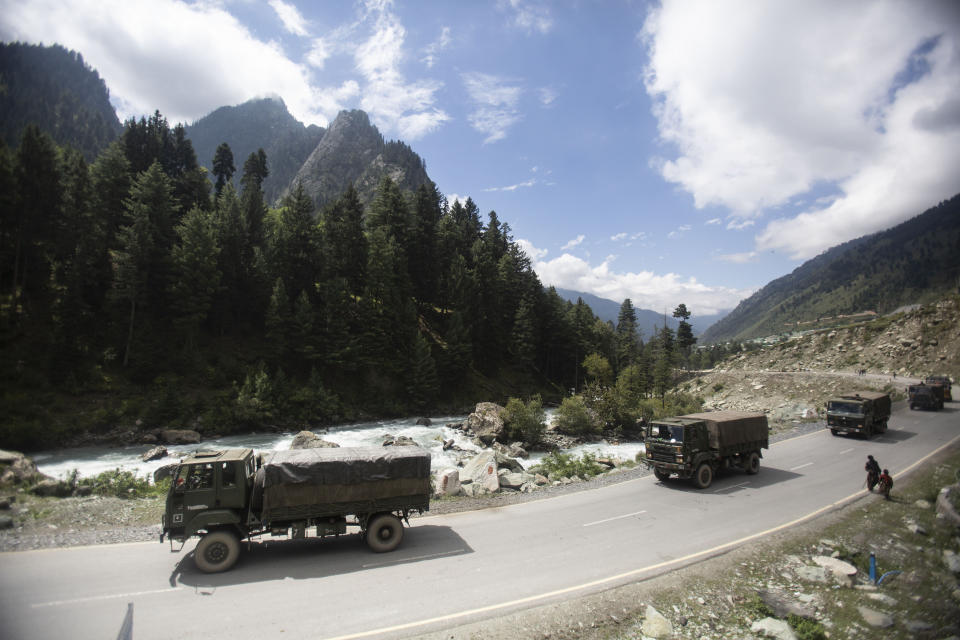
[662,474]
[753,463]
[703,477]
[217,551]
[384,532]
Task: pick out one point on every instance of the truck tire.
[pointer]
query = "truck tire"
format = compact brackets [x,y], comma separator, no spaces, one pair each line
[217,551]
[913,406]
[834,432]
[753,463]
[703,477]
[384,532]
[662,475]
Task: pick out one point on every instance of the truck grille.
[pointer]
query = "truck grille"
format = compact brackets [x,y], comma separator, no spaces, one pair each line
[660,455]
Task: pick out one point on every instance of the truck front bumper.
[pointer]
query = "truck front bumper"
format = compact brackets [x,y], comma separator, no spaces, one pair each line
[681,469]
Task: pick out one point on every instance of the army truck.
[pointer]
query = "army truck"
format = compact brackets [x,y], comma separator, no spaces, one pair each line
[862,412]
[699,445]
[225,496]
[925,396]
[944,383]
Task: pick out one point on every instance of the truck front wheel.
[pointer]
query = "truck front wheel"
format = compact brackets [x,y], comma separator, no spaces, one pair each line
[662,474]
[704,476]
[753,463]
[217,551]
[384,532]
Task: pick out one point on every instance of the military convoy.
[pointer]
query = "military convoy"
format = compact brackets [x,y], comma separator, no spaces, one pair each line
[226,496]
[699,445]
[943,384]
[862,413]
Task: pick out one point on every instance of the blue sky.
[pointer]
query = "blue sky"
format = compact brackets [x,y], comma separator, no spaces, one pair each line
[663,151]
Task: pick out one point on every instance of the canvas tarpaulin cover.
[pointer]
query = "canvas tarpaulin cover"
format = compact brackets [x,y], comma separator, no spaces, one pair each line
[732,428]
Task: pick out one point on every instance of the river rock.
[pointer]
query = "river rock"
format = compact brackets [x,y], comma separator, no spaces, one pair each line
[310,440]
[655,625]
[17,468]
[424,422]
[6,522]
[773,628]
[844,571]
[399,441]
[486,422]
[448,482]
[179,436]
[166,471]
[155,453]
[506,462]
[481,473]
[48,487]
[512,479]
[875,618]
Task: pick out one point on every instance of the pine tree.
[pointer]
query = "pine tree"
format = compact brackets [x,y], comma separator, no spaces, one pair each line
[422,382]
[223,167]
[627,337]
[196,277]
[685,337]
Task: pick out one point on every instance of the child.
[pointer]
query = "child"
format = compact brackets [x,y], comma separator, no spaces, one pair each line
[886,483]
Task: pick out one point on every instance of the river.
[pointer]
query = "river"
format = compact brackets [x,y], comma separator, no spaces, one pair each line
[89,461]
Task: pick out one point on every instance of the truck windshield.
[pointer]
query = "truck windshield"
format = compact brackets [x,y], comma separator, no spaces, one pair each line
[669,432]
[845,407]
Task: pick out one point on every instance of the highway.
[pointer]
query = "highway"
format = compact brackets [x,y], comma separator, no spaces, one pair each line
[455,568]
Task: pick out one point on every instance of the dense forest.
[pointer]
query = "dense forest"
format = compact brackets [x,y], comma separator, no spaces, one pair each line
[138,292]
[914,262]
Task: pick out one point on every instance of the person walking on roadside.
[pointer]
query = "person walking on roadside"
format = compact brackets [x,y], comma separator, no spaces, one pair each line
[886,483]
[873,473]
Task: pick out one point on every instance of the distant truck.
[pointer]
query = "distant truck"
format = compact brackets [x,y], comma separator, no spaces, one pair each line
[226,496]
[944,383]
[925,396]
[699,445]
[862,412]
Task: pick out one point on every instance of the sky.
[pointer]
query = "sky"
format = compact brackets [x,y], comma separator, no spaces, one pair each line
[667,152]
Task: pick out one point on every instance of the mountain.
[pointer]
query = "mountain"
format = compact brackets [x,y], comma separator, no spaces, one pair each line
[54,89]
[257,124]
[914,262]
[648,321]
[353,151]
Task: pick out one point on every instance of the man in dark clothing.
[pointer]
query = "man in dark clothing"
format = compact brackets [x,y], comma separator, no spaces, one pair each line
[873,473]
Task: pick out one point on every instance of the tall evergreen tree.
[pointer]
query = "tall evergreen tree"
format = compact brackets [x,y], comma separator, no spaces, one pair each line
[627,336]
[685,337]
[223,167]
[196,277]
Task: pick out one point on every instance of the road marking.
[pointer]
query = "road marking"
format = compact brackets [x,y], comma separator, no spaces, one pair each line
[806,464]
[415,558]
[628,574]
[113,596]
[846,451]
[733,486]
[635,513]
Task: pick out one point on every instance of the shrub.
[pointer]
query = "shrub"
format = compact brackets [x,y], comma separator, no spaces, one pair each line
[805,628]
[564,465]
[525,421]
[574,418]
[119,483]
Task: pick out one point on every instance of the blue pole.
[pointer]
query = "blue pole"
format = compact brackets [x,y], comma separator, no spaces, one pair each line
[873,568]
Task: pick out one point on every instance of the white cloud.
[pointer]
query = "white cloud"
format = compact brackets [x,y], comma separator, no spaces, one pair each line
[714,221]
[645,289]
[290,17]
[530,15]
[435,47]
[318,54]
[547,96]
[496,104]
[513,187]
[738,258]
[154,54]
[618,236]
[532,252]
[679,231]
[575,242]
[779,99]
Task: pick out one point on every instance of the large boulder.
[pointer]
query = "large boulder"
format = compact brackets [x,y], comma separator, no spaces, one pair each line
[155,453]
[310,440]
[399,441]
[17,468]
[481,473]
[448,482]
[166,471]
[486,422]
[180,436]
[514,480]
[506,462]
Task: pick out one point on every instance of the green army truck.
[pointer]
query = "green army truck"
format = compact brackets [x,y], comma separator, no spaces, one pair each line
[863,412]
[224,497]
[925,396]
[944,383]
[699,445]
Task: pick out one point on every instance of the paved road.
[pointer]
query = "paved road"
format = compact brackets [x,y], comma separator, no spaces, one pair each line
[455,568]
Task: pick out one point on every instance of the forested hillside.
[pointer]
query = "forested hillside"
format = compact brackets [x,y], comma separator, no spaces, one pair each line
[54,89]
[915,262]
[257,124]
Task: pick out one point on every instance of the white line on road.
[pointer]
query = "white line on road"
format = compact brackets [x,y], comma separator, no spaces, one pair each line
[846,451]
[636,513]
[806,464]
[415,558]
[112,596]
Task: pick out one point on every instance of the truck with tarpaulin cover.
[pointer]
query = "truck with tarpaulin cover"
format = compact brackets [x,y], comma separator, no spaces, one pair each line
[223,497]
[862,412]
[699,445]
[945,385]
[925,396]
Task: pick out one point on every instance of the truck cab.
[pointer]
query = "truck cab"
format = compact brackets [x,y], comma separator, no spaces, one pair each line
[209,489]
